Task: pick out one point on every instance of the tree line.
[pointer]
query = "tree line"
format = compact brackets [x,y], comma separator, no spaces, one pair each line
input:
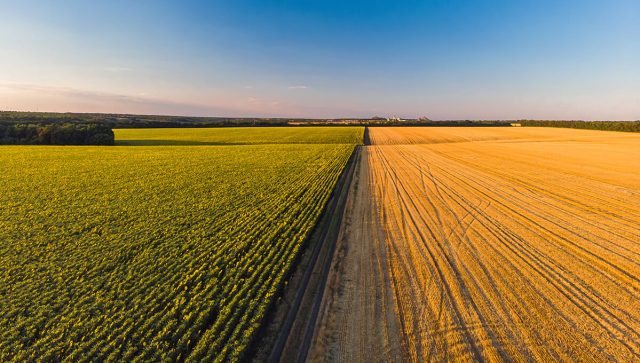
[55,134]
[626,126]
[119,121]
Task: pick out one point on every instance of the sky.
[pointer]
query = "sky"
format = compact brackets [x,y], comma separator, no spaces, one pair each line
[473,59]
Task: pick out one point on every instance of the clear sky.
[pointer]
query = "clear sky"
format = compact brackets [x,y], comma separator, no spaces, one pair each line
[474,59]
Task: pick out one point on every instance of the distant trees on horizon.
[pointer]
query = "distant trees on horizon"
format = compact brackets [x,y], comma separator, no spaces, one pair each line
[56,134]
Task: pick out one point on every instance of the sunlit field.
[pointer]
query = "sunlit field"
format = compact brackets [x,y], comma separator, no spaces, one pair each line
[240,135]
[496,244]
[154,252]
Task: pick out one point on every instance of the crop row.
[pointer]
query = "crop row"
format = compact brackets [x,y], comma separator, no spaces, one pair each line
[151,253]
[241,135]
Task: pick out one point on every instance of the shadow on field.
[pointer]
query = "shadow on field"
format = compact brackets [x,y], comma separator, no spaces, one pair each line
[170,142]
[204,143]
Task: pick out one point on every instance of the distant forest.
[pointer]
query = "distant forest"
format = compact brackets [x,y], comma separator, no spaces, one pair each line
[55,134]
[154,121]
[133,121]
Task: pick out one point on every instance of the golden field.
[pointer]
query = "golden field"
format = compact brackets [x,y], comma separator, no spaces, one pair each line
[498,244]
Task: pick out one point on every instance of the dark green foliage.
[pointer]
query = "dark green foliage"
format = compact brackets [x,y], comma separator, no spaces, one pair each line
[56,134]
[626,126]
[133,121]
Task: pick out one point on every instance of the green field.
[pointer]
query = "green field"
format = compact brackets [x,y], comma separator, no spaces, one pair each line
[240,135]
[151,252]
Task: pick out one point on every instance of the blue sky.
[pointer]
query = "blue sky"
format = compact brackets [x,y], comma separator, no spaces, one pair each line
[441,59]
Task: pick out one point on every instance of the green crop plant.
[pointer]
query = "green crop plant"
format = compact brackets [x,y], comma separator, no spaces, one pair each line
[152,253]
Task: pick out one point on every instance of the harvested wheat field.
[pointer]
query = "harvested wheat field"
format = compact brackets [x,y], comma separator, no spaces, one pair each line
[497,244]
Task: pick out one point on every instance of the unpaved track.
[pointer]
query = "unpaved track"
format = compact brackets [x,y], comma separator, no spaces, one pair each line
[495,244]
[356,319]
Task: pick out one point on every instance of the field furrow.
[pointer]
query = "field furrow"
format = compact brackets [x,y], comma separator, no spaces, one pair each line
[500,244]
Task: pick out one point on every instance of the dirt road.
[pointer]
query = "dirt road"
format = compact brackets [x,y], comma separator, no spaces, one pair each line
[494,244]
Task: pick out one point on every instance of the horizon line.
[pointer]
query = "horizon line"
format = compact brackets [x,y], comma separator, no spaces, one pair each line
[314,118]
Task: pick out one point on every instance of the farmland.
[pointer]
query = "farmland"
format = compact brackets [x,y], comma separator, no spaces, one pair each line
[466,244]
[483,243]
[240,135]
[153,252]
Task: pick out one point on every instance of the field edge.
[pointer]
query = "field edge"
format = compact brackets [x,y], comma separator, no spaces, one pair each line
[291,321]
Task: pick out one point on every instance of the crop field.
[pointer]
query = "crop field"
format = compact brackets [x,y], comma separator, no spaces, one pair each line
[451,135]
[155,253]
[500,244]
[240,135]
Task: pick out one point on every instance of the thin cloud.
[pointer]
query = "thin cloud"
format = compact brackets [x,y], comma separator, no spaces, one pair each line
[117,69]
[32,97]
[298,87]
[71,92]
